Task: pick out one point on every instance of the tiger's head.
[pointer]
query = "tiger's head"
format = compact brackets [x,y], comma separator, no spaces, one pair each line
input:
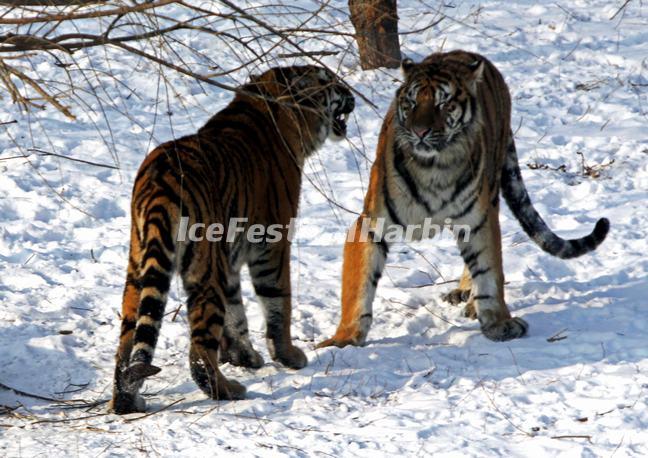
[319,101]
[436,106]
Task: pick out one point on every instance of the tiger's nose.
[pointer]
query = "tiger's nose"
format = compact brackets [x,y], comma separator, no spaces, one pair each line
[421,132]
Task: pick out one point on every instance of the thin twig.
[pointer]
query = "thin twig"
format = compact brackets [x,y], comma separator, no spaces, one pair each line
[620,9]
[425,285]
[506,417]
[557,336]
[129,420]
[573,436]
[83,161]
[67,420]
[307,54]
[517,366]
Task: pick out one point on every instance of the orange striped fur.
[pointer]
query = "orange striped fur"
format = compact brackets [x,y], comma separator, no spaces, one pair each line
[445,152]
[245,162]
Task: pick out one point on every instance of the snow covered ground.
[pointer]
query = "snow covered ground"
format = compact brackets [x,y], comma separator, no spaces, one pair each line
[427,383]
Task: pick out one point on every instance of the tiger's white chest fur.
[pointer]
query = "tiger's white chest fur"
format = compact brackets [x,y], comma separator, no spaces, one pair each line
[440,192]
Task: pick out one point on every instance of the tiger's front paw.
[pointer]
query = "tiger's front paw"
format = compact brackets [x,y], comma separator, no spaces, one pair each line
[337,342]
[290,356]
[347,336]
[243,356]
[355,335]
[509,329]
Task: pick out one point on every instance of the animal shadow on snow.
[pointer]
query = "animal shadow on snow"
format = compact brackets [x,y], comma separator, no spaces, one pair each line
[601,320]
[37,359]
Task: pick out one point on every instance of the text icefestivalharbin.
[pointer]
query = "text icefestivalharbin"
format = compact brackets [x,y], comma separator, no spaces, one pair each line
[372,229]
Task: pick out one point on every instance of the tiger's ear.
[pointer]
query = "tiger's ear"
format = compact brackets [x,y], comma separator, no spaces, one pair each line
[476,69]
[407,65]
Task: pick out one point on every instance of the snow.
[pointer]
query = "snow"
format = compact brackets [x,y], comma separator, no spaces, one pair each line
[427,382]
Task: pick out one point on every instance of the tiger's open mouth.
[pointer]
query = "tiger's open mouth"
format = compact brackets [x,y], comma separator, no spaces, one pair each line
[340,124]
[343,106]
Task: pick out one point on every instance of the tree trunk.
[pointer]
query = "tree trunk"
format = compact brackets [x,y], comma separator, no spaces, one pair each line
[376,26]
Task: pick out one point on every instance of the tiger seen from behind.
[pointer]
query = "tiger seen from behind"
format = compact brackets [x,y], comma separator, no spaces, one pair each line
[246,162]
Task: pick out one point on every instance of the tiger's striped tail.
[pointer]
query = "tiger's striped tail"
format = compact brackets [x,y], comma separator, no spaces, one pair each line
[156,273]
[517,199]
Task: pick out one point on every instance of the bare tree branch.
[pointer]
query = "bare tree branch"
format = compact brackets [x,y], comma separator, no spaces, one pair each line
[176,43]
[131,28]
[46,17]
[50,2]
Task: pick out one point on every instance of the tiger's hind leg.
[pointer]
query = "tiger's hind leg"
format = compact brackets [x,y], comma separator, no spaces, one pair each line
[123,402]
[482,253]
[462,294]
[270,273]
[236,346]
[206,310]
[145,293]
